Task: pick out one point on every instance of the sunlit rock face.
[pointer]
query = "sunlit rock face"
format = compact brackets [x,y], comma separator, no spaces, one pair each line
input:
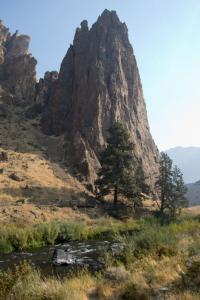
[17,66]
[98,84]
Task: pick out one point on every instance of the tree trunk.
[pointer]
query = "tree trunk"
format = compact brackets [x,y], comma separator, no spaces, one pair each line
[115,195]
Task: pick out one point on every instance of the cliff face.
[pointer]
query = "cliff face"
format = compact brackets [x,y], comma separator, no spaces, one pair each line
[17,67]
[99,83]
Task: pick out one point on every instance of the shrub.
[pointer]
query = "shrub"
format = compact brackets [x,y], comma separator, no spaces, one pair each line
[5,246]
[73,231]
[19,239]
[49,232]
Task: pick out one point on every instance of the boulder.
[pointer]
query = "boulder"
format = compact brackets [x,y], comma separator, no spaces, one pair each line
[15,177]
[61,257]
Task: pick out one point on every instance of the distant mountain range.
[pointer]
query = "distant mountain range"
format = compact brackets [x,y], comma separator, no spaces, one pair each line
[188,160]
[193,193]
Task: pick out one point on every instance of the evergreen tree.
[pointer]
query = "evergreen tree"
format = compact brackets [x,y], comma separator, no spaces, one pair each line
[178,199]
[164,182]
[141,178]
[171,188]
[116,175]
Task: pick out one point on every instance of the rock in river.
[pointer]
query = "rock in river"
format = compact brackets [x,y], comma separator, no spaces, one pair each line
[60,257]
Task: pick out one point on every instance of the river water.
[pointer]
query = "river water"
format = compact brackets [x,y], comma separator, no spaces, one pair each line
[86,253]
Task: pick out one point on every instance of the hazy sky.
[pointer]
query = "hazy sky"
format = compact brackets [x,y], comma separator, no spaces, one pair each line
[165,35]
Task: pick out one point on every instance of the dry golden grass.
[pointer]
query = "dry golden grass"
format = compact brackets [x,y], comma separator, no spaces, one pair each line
[150,273]
[194,210]
[31,286]
[31,214]
[69,289]
[40,181]
[146,275]
[37,158]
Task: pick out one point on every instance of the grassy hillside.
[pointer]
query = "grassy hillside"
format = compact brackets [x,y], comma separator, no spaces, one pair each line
[33,172]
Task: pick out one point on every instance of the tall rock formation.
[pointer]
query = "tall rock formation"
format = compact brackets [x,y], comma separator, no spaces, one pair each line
[17,66]
[98,84]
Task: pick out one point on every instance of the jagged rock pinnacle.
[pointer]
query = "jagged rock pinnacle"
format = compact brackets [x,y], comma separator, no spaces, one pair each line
[99,83]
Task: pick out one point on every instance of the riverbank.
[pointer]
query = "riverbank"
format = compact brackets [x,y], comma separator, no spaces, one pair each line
[155,260]
[17,238]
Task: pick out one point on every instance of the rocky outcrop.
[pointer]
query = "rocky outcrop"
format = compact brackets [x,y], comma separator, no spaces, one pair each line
[98,84]
[17,45]
[44,86]
[42,91]
[17,67]
[4,33]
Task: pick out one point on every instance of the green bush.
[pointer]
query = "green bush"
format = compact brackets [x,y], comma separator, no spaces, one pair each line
[19,239]
[153,239]
[49,232]
[73,231]
[5,246]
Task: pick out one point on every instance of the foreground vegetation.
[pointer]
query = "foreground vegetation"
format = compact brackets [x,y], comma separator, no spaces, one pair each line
[156,259]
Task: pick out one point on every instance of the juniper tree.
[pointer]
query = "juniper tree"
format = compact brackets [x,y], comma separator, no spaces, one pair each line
[171,187]
[178,199]
[164,182]
[116,175]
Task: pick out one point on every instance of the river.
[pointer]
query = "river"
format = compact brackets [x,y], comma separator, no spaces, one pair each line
[86,253]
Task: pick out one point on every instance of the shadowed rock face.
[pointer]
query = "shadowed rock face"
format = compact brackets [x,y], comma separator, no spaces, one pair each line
[17,67]
[43,87]
[98,84]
